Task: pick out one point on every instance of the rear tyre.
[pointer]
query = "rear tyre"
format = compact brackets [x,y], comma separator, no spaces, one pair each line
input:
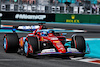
[11,42]
[33,42]
[78,42]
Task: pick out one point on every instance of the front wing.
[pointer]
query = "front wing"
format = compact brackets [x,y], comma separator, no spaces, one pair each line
[67,53]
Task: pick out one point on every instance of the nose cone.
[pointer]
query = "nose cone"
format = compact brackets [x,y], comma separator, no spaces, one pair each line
[62,51]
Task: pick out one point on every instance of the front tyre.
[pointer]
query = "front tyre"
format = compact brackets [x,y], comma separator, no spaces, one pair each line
[10,42]
[30,46]
[78,42]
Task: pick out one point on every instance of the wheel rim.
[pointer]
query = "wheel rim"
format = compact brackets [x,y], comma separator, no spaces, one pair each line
[5,43]
[26,47]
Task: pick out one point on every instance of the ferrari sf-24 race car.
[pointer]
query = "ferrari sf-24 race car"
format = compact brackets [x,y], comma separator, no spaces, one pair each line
[45,41]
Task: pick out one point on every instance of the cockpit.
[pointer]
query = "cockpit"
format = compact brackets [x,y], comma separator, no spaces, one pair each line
[45,32]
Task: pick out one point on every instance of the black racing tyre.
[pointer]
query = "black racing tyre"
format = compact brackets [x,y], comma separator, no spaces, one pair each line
[33,41]
[78,42]
[11,42]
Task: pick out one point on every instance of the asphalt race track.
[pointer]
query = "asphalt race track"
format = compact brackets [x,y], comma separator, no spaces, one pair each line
[15,60]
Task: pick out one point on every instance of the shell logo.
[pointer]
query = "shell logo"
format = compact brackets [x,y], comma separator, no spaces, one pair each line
[21,43]
[41,38]
[56,41]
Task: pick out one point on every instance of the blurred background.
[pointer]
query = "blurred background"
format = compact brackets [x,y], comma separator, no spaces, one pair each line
[51,6]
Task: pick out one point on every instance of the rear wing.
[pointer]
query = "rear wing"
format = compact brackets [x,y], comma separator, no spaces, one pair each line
[20,27]
[35,27]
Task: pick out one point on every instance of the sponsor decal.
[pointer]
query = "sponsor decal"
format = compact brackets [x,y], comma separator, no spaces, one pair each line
[33,27]
[41,38]
[59,46]
[56,41]
[54,38]
[21,42]
[28,16]
[72,20]
[47,51]
[52,50]
[45,39]
[24,27]
[31,17]
[30,35]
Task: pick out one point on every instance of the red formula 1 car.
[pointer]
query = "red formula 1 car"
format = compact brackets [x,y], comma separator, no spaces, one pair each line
[45,42]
